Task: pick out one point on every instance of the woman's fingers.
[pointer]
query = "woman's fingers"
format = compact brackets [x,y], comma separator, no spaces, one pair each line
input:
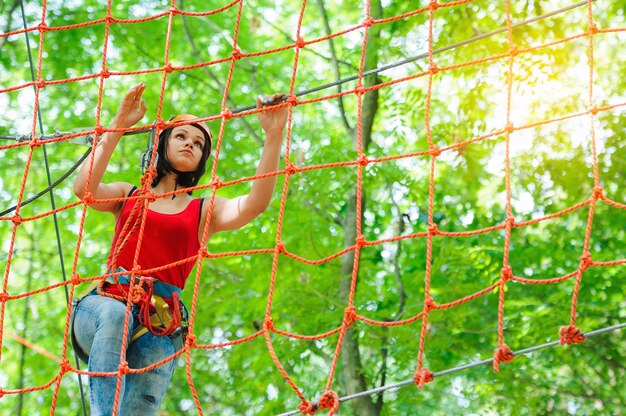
[136,91]
[271,100]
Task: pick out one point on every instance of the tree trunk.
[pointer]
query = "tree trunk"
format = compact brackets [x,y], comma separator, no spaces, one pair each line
[352,370]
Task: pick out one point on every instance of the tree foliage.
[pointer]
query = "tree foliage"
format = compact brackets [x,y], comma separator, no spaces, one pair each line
[551,170]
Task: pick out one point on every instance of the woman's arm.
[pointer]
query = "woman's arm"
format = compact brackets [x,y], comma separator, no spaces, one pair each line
[131,110]
[230,214]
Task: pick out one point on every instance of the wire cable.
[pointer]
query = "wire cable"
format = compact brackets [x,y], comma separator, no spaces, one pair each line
[465,367]
[51,186]
[55,217]
[25,137]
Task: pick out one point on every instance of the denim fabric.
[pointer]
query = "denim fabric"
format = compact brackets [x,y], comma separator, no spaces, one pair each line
[98,327]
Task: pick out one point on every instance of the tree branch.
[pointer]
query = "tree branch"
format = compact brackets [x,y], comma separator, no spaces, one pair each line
[352,366]
[402,217]
[211,75]
[289,38]
[334,61]
[384,354]
[384,351]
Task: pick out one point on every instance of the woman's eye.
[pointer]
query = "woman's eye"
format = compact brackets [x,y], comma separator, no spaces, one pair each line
[199,145]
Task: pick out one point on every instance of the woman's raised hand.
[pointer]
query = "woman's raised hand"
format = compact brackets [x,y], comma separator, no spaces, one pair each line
[273,121]
[131,109]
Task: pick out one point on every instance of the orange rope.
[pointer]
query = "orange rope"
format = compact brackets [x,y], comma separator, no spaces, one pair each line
[136,221]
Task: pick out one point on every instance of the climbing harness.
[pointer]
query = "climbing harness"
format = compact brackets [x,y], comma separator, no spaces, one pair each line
[160,310]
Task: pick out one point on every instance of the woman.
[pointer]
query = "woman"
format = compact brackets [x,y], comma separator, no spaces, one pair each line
[172,231]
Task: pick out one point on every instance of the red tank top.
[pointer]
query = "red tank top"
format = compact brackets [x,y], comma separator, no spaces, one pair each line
[167,238]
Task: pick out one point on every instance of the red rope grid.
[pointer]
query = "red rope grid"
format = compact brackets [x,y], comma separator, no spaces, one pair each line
[136,222]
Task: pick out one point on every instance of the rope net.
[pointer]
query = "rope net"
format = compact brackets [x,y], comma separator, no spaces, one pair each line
[270,328]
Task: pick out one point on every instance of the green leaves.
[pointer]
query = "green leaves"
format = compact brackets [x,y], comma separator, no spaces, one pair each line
[551,169]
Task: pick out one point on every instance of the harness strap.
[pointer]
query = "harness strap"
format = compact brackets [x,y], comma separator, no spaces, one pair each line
[145,317]
[165,290]
[155,314]
[149,294]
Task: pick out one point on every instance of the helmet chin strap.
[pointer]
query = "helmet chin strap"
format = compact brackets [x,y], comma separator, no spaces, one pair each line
[177,172]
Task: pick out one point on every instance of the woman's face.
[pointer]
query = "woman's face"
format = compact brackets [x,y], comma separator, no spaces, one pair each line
[184,148]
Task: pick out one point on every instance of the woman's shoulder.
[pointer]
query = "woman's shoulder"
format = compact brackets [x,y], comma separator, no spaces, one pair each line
[217,200]
[124,188]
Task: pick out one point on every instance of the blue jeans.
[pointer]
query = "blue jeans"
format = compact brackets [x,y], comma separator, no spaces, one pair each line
[98,328]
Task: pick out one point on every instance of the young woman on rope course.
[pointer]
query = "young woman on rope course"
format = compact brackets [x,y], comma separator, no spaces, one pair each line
[172,232]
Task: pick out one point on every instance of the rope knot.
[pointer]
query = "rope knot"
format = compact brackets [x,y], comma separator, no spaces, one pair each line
[509,128]
[109,18]
[66,367]
[300,43]
[174,10]
[433,5]
[268,324]
[308,408]
[168,67]
[585,261]
[368,21]
[510,221]
[433,69]
[598,193]
[42,27]
[150,197]
[435,151]
[227,114]
[290,168]
[88,198]
[123,368]
[349,316]
[433,230]
[363,160]
[422,377]
[216,183]
[4,296]
[329,400]
[98,130]
[191,341]
[237,54]
[514,50]
[1,393]
[148,177]
[17,220]
[429,304]
[292,100]
[506,273]
[360,90]
[571,335]
[594,110]
[35,143]
[203,252]
[593,28]
[280,247]
[105,73]
[360,241]
[137,294]
[501,354]
[41,84]
[75,280]
[160,124]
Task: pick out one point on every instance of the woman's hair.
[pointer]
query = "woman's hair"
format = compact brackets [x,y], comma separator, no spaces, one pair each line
[163,166]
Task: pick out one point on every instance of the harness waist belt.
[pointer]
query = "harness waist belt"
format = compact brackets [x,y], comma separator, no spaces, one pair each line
[162,289]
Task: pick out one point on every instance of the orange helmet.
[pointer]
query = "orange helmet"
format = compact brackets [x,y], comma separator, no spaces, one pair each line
[200,124]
